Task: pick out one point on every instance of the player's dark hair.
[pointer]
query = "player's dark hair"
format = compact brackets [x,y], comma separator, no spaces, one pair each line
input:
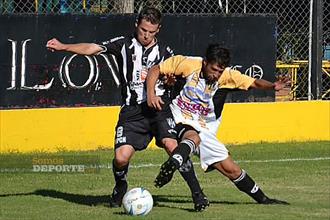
[153,15]
[217,54]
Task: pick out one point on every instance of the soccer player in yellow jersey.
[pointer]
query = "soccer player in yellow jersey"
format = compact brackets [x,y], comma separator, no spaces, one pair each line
[196,118]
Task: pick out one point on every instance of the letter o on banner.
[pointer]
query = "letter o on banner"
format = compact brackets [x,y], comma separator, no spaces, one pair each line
[65,71]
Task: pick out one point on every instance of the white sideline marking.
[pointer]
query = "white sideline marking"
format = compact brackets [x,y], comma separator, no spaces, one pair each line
[284,160]
[109,166]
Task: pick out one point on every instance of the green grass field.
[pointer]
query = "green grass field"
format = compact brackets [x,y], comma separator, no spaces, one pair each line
[296,172]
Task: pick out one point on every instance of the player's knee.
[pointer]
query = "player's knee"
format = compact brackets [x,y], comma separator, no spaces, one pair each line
[196,139]
[123,156]
[233,172]
[192,135]
[169,144]
[121,161]
[228,168]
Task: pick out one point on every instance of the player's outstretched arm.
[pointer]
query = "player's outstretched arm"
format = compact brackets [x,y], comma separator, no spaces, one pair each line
[281,83]
[79,48]
[264,84]
[152,77]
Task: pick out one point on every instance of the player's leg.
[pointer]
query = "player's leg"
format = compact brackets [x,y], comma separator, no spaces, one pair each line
[180,154]
[131,135]
[187,171]
[166,135]
[120,165]
[214,155]
[243,181]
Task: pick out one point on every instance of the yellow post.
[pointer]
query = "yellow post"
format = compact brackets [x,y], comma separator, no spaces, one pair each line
[294,83]
[84,4]
[37,4]
[326,71]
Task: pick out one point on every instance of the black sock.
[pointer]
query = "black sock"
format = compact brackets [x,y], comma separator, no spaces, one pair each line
[120,174]
[181,154]
[246,184]
[188,173]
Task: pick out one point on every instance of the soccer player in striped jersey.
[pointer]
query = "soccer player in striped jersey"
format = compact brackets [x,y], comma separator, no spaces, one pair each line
[138,123]
[197,115]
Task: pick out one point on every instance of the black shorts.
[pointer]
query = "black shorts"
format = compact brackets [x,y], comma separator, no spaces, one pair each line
[138,124]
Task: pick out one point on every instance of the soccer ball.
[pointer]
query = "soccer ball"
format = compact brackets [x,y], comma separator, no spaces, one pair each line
[138,201]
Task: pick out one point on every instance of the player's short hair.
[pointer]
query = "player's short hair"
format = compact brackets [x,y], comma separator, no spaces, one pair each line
[151,14]
[217,54]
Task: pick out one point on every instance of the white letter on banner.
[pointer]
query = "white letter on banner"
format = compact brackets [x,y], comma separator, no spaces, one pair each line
[23,72]
[13,64]
[111,68]
[67,80]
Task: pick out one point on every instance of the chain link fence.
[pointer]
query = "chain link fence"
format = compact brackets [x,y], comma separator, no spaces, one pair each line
[292,33]
[326,51]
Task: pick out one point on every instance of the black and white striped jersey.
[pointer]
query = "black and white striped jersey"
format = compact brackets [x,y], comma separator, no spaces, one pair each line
[133,62]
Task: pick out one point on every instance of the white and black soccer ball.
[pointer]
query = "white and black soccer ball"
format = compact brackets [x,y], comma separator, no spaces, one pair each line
[138,201]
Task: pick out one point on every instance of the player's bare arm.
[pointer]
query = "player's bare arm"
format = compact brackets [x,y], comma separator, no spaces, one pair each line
[264,84]
[79,48]
[152,77]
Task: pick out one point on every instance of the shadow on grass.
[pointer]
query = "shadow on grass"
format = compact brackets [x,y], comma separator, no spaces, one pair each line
[70,197]
[167,201]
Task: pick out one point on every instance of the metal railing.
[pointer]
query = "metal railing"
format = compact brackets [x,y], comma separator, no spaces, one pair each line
[293,70]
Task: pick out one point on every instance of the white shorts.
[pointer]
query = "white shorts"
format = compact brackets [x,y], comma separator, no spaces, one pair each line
[210,150]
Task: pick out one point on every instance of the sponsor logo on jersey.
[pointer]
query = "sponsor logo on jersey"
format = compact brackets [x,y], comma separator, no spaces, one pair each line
[193,108]
[136,85]
[133,57]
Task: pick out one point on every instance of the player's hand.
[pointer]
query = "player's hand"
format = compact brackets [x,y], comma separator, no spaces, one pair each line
[282,82]
[155,102]
[54,44]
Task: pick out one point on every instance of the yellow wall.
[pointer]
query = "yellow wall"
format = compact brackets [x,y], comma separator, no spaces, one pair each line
[275,122]
[57,129]
[94,127]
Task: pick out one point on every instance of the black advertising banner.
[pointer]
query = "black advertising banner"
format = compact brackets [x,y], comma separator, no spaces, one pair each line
[33,77]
